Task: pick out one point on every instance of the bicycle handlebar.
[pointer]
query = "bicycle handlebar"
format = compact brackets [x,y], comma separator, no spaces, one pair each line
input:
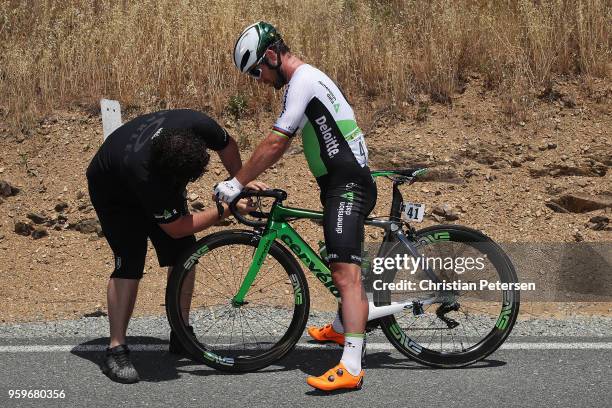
[278,195]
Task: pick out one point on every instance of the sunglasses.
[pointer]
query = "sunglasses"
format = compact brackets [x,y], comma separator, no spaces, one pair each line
[255,72]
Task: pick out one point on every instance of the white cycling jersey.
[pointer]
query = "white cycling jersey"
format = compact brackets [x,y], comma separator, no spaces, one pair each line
[314,104]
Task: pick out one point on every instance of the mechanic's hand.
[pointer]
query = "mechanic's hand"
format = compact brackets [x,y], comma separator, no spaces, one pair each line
[257,185]
[228,190]
[245,206]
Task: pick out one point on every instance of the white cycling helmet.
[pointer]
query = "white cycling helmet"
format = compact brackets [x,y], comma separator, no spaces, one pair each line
[253,43]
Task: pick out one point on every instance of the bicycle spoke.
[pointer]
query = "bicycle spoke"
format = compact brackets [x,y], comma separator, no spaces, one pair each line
[265,328]
[287,296]
[216,321]
[271,319]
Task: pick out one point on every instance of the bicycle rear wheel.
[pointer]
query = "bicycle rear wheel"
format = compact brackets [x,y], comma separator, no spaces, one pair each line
[463,325]
[238,338]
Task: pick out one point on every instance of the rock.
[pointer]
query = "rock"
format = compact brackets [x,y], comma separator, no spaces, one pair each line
[580,203]
[452,215]
[193,197]
[445,211]
[598,223]
[568,101]
[88,226]
[7,190]
[499,165]
[97,313]
[23,228]
[217,172]
[39,232]
[578,236]
[197,206]
[297,149]
[556,207]
[37,218]
[515,163]
[437,218]
[589,169]
[440,209]
[551,146]
[444,175]
[61,206]
[599,218]
[50,223]
[482,155]
[80,195]
[467,173]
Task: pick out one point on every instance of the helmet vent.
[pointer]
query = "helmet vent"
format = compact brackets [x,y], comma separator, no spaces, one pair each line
[245,59]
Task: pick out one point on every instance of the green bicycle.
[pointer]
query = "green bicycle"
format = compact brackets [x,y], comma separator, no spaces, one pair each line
[251,301]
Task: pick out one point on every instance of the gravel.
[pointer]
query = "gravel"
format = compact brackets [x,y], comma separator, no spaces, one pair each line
[157,326]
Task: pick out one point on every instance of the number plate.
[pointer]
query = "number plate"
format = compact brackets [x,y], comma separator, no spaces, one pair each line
[413,212]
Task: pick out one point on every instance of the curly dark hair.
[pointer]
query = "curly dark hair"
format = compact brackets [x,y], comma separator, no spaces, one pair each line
[178,154]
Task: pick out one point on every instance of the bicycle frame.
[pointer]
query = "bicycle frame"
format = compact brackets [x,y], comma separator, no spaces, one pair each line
[277,227]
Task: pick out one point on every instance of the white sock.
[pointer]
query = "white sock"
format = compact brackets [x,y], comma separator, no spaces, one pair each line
[351,357]
[337,324]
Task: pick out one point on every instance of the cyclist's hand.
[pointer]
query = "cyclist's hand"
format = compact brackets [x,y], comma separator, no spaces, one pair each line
[245,206]
[257,185]
[228,190]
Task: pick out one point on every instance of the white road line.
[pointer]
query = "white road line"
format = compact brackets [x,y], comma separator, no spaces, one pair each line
[371,346]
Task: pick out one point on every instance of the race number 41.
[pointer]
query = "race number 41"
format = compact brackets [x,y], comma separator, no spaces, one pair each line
[413,211]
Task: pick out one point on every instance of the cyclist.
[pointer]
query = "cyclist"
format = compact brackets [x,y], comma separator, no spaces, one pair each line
[137,183]
[337,156]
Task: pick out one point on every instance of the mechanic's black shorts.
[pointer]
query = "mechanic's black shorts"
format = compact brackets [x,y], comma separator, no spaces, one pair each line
[347,200]
[126,228]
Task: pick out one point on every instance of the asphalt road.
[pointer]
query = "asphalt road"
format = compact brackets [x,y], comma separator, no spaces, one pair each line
[530,371]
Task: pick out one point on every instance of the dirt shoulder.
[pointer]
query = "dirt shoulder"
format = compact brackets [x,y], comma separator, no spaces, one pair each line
[496,173]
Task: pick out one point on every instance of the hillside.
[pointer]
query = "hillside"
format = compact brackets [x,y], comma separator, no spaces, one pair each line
[496,165]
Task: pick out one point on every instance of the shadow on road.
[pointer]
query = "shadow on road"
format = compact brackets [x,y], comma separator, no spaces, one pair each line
[152,366]
[159,366]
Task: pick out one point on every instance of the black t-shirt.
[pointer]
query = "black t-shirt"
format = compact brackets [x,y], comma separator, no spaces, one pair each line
[120,167]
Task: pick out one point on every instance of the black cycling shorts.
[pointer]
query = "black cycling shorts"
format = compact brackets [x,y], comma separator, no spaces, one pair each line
[126,228]
[347,200]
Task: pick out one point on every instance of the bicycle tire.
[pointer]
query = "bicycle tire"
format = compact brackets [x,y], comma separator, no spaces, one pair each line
[405,342]
[223,356]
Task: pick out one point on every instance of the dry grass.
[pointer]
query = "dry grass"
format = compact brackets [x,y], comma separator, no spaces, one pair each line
[169,53]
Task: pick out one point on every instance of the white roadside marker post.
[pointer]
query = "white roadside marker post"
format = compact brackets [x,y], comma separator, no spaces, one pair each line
[111,116]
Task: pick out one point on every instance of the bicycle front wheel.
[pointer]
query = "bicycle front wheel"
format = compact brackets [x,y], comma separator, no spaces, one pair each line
[245,337]
[461,321]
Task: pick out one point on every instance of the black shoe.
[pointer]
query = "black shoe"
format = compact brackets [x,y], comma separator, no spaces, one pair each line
[175,346]
[117,365]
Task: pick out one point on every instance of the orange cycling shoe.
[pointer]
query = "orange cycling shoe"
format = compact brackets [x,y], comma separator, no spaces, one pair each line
[337,378]
[326,333]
